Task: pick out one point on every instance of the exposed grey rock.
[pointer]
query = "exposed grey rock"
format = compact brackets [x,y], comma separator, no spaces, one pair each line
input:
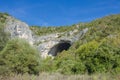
[47,43]
[18,29]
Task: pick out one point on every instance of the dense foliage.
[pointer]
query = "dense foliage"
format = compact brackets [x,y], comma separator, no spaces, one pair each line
[3,34]
[19,57]
[92,57]
[3,17]
[3,37]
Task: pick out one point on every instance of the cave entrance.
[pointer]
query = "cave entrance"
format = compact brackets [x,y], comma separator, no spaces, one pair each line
[63,45]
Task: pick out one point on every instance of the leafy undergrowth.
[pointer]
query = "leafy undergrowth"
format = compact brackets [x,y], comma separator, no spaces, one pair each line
[3,17]
[19,57]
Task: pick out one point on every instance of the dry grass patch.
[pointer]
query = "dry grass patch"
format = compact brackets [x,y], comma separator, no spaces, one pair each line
[57,76]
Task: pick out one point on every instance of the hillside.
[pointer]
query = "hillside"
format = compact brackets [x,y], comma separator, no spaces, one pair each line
[95,52]
[85,48]
[112,20]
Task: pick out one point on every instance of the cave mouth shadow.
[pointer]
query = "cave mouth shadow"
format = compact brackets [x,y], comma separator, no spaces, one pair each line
[63,45]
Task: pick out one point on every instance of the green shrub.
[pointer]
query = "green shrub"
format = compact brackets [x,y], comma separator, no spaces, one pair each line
[66,63]
[99,57]
[3,37]
[47,65]
[3,17]
[20,57]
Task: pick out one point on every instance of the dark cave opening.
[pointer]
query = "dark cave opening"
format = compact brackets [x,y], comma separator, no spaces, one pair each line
[59,48]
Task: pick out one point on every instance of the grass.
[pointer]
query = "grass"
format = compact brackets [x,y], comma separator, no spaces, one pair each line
[57,76]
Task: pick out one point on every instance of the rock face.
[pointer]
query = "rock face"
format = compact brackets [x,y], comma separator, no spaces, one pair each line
[18,29]
[53,43]
[47,45]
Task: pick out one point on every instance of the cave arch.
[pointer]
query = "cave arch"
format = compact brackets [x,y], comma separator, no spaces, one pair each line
[62,45]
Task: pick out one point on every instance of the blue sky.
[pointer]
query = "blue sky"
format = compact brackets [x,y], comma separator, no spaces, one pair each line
[59,12]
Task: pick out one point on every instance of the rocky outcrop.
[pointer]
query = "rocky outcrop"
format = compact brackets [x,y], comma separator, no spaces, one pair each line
[18,29]
[47,45]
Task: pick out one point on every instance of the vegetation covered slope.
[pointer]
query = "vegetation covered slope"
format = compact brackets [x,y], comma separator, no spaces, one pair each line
[3,35]
[109,21]
[97,52]
[48,30]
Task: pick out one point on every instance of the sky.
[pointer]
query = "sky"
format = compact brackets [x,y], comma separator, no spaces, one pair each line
[59,12]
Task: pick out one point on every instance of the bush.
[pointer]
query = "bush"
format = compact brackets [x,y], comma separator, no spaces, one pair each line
[3,17]
[3,37]
[20,57]
[99,57]
[47,65]
[66,63]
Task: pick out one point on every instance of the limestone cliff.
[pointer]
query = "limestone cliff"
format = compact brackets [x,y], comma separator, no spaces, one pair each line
[46,44]
[18,29]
